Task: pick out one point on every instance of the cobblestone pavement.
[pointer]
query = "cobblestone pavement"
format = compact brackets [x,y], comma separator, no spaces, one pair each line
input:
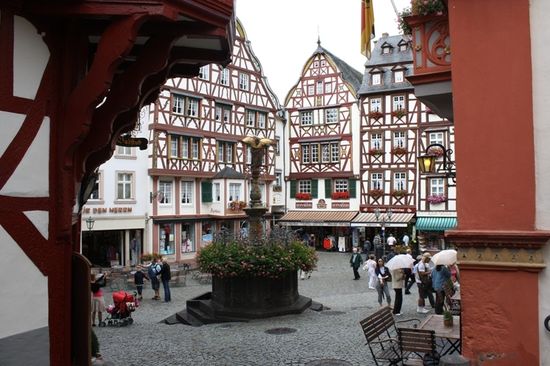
[319,337]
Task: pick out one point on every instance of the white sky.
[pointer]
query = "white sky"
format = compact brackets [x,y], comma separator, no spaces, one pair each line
[283,33]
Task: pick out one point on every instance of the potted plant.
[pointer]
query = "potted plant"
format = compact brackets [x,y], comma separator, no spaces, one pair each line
[422,8]
[447,318]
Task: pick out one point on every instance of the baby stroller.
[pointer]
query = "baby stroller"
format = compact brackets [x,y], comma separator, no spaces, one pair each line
[120,313]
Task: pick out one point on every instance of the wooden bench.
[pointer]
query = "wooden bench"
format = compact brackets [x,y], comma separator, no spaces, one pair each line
[381,333]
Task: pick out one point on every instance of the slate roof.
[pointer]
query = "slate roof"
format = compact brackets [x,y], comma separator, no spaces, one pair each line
[349,74]
[229,173]
[386,62]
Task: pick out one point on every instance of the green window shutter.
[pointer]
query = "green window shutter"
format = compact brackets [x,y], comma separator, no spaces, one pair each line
[206,188]
[352,187]
[314,188]
[328,188]
[292,188]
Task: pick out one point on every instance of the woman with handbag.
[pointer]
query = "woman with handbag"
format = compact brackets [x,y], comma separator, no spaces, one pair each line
[383,274]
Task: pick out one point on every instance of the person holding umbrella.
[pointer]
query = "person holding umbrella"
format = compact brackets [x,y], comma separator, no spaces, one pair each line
[396,265]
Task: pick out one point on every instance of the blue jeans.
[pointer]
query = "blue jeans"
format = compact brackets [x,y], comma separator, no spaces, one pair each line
[166,285]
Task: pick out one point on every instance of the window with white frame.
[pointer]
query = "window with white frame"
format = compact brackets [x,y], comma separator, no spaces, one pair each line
[305,154]
[223,113]
[320,87]
[340,185]
[279,179]
[216,192]
[243,81]
[186,192]
[204,72]
[403,46]
[181,145]
[331,115]
[314,153]
[376,104]
[195,149]
[277,145]
[386,50]
[376,79]
[398,102]
[306,118]
[178,102]
[376,181]
[316,64]
[250,119]
[436,138]
[261,119]
[335,152]
[325,153]
[328,88]
[234,192]
[124,186]
[229,152]
[399,139]
[124,150]
[304,186]
[310,89]
[192,107]
[224,76]
[174,146]
[185,147]
[96,190]
[376,141]
[226,151]
[165,192]
[398,76]
[437,187]
[399,181]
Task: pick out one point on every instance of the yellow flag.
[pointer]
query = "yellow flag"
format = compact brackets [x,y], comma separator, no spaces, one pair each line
[367,26]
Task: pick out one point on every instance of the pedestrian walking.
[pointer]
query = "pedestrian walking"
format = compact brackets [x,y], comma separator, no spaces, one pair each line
[355,262]
[165,276]
[440,276]
[406,240]
[383,275]
[367,247]
[397,285]
[370,267]
[378,246]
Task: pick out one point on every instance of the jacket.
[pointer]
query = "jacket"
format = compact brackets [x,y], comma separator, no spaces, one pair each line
[358,260]
[165,274]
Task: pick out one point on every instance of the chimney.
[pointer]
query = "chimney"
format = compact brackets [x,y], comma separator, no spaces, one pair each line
[385,35]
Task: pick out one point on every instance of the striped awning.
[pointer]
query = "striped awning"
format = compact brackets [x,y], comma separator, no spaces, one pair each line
[369,219]
[435,223]
[318,218]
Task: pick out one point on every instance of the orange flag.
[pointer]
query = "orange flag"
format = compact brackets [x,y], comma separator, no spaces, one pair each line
[367,26]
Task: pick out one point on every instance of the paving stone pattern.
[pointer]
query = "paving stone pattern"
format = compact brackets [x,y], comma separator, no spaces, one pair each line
[319,340]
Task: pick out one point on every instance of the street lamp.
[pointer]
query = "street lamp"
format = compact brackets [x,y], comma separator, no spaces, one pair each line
[426,161]
[90,223]
[383,218]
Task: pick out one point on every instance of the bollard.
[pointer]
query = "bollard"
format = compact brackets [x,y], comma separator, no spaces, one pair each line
[454,360]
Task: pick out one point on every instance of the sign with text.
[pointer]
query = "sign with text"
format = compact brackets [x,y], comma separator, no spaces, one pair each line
[304,204]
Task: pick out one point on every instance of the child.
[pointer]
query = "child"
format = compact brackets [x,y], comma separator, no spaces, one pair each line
[138,280]
[98,302]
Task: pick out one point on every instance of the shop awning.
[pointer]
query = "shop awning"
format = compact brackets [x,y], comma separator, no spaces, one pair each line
[318,218]
[369,219]
[435,223]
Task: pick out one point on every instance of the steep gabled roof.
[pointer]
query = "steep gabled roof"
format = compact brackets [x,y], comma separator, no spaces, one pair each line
[349,74]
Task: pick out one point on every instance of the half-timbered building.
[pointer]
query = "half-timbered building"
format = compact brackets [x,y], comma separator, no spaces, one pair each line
[200,168]
[322,166]
[395,128]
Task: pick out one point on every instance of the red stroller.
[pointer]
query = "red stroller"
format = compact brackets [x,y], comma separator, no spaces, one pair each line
[120,314]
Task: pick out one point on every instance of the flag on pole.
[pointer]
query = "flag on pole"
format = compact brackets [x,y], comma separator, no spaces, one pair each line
[367,26]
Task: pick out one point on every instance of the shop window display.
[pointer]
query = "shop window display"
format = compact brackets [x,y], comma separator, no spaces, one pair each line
[166,239]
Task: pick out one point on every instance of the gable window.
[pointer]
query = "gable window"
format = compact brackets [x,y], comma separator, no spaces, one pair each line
[243,81]
[376,181]
[340,185]
[234,192]
[328,88]
[436,138]
[177,103]
[305,154]
[398,76]
[399,139]
[304,186]
[386,49]
[320,87]
[398,102]
[186,192]
[376,141]
[403,46]
[437,187]
[376,79]
[124,186]
[306,118]
[216,194]
[165,191]
[310,89]
[204,72]
[223,113]
[224,76]
[399,181]
[325,153]
[376,105]
[335,152]
[226,151]
[331,115]
[314,153]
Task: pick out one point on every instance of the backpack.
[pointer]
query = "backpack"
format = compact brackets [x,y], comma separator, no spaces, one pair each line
[151,271]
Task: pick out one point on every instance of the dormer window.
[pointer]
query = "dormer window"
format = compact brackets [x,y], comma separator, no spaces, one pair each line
[386,50]
[376,79]
[403,45]
[398,76]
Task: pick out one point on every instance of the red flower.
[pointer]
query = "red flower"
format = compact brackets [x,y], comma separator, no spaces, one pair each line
[303,196]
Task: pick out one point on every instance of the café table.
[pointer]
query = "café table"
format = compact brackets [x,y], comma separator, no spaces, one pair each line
[447,338]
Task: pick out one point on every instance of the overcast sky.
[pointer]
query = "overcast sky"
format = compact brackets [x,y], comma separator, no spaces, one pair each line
[283,33]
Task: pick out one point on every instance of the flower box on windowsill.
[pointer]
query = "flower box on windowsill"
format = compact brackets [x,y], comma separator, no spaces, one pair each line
[399,151]
[237,205]
[376,115]
[399,193]
[436,198]
[435,151]
[376,193]
[340,195]
[303,196]
[376,152]
[400,113]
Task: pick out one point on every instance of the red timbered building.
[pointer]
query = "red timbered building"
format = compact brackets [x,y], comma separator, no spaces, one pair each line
[200,168]
[73,77]
[395,128]
[322,166]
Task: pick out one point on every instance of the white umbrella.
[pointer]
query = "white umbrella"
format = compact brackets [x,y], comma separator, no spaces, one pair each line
[445,257]
[400,261]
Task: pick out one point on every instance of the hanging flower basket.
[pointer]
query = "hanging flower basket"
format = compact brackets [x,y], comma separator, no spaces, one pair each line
[399,193]
[435,151]
[376,151]
[399,150]
[303,196]
[340,195]
[376,192]
[400,113]
[376,115]
[422,8]
[436,198]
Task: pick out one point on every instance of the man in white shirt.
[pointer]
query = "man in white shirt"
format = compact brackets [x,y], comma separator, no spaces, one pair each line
[406,240]
[391,240]
[423,280]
